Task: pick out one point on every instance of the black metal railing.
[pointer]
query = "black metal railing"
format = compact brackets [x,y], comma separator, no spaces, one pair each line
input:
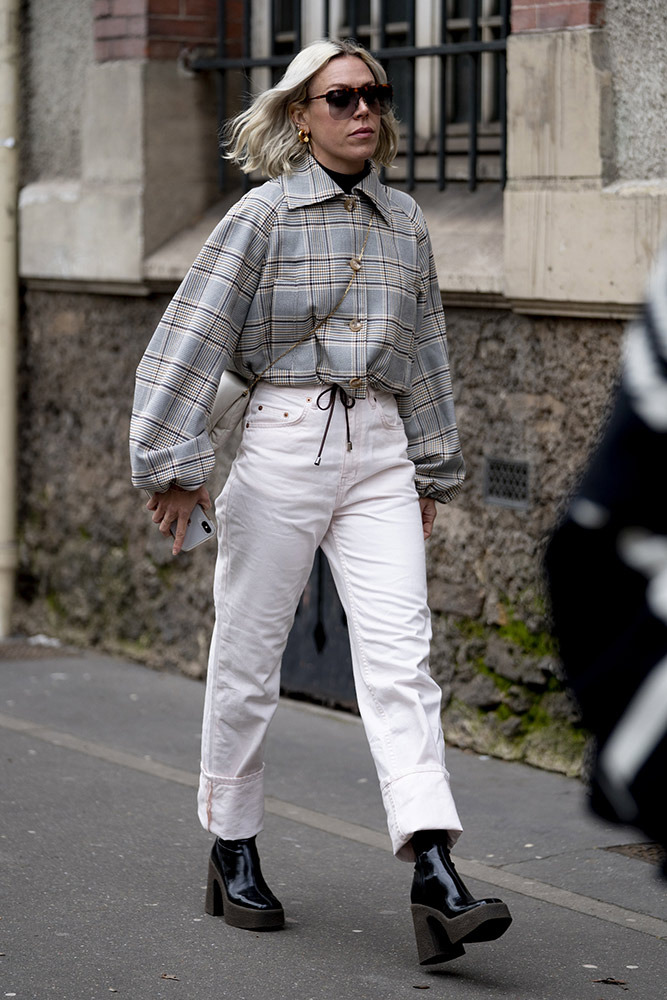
[469,58]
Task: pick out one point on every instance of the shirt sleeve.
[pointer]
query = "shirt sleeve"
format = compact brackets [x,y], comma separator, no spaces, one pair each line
[178,376]
[428,409]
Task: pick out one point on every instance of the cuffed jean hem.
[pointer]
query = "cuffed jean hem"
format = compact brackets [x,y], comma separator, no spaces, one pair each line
[419,800]
[231,808]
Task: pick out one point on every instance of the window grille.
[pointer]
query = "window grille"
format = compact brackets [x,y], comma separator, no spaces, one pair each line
[445,58]
[507,483]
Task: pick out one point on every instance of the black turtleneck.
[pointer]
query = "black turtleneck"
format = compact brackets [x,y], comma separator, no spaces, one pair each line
[347,181]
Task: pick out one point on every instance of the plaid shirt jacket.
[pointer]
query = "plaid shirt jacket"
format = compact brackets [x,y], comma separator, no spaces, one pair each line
[277,263]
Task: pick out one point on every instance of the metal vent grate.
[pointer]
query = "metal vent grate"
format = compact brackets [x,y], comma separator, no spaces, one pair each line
[507,484]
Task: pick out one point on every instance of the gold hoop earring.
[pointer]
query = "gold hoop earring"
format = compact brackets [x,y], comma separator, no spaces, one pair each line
[304,136]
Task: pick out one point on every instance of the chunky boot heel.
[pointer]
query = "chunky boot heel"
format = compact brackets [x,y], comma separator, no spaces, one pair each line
[445,914]
[236,889]
[440,938]
[214,905]
[433,945]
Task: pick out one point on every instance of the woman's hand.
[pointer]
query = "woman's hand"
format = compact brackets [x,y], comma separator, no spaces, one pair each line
[177,505]
[429,511]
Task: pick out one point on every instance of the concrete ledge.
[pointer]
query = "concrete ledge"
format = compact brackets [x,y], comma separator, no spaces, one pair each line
[466,231]
[575,243]
[572,245]
[148,166]
[168,264]
[132,289]
[560,105]
[73,230]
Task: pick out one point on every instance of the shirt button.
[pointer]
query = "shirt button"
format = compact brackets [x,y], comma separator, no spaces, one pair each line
[350,204]
[355,325]
[355,383]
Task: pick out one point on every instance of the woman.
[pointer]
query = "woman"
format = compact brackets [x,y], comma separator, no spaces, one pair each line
[321,281]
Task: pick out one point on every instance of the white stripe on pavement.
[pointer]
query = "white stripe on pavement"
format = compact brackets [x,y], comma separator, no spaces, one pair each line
[351,831]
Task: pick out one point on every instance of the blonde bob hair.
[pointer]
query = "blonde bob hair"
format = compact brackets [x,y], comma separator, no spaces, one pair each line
[264,137]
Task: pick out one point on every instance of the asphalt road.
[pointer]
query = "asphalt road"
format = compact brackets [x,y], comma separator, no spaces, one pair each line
[103,863]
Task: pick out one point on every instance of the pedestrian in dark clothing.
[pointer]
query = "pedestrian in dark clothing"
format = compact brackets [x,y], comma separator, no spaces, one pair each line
[607,567]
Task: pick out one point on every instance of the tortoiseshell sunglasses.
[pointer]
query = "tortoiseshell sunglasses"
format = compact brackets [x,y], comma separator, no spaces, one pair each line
[344,101]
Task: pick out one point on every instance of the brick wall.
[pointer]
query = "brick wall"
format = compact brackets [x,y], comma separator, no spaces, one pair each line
[152,29]
[161,29]
[546,15]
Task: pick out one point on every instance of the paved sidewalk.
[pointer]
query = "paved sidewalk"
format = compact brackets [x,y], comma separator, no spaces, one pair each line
[103,863]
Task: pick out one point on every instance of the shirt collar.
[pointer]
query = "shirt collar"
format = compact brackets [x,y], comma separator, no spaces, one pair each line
[309,184]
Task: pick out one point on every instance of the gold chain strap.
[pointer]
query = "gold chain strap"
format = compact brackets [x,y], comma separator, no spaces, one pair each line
[355,264]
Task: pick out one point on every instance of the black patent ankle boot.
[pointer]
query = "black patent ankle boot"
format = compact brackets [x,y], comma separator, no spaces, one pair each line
[444,912]
[236,888]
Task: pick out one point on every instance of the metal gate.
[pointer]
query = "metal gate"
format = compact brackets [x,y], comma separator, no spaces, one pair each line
[446,59]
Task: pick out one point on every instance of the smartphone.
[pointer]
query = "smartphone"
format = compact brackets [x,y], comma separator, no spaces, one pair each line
[200,528]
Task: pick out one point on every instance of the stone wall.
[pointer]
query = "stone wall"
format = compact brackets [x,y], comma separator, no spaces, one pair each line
[637,43]
[532,390]
[57,49]
[95,571]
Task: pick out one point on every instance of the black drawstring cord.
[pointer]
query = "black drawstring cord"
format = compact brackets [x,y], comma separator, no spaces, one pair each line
[347,401]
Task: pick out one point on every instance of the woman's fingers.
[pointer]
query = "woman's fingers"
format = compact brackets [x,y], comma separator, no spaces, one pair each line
[429,511]
[176,505]
[179,534]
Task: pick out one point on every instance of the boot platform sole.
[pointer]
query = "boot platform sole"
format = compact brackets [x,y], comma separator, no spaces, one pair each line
[218,904]
[440,938]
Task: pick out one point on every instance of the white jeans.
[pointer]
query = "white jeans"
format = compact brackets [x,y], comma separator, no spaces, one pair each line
[361,507]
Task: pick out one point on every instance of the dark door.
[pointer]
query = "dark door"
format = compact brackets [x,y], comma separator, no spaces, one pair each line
[317,661]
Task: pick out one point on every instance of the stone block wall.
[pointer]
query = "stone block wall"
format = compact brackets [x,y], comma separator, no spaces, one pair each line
[532,390]
[95,571]
[93,568]
[637,43]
